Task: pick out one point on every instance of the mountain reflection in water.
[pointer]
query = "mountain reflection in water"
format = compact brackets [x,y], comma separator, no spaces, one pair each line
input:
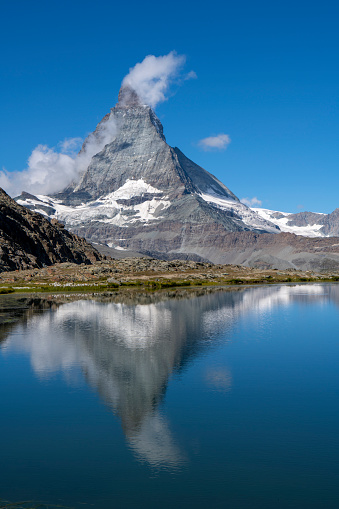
[128,352]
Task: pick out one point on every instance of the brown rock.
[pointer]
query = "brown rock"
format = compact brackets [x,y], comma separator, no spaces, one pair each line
[29,240]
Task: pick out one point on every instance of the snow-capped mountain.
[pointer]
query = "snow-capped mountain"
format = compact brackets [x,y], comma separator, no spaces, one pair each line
[308,224]
[139,193]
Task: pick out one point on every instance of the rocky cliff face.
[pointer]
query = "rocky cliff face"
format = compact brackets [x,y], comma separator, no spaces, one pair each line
[28,240]
[331,224]
[282,251]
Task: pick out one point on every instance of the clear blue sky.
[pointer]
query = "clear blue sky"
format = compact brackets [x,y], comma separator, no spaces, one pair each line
[267,75]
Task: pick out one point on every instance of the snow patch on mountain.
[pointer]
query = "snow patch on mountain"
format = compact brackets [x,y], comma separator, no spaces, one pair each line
[281,219]
[247,215]
[132,188]
[111,208]
[136,201]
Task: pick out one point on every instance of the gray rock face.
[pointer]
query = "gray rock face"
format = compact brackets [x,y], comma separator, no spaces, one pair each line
[140,151]
[331,224]
[304,219]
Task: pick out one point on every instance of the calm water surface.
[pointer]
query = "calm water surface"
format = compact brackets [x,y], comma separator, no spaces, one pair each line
[230,400]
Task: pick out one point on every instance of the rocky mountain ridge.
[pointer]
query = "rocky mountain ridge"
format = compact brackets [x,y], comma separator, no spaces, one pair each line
[29,240]
[308,224]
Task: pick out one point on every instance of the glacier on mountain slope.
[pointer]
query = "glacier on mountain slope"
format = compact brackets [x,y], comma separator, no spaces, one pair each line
[246,215]
[107,209]
[281,219]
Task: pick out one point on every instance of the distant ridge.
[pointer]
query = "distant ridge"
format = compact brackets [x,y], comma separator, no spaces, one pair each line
[309,224]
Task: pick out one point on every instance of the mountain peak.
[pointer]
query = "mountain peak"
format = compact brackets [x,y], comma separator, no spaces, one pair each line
[139,193]
[128,97]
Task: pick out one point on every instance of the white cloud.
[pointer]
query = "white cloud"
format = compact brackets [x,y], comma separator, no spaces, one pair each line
[251,202]
[50,170]
[105,132]
[219,142]
[192,75]
[152,77]
[71,145]
[47,171]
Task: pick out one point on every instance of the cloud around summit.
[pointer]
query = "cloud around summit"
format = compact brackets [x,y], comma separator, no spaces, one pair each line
[151,78]
[50,170]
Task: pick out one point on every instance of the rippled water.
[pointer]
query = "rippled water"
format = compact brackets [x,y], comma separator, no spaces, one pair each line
[228,399]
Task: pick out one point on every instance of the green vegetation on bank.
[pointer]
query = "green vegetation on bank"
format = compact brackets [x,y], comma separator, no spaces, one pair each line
[4,291]
[157,284]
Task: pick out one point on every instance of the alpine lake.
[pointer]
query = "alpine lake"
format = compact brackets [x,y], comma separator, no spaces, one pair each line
[221,398]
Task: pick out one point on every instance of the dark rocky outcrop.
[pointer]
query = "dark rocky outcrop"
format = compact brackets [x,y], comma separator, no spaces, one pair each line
[28,240]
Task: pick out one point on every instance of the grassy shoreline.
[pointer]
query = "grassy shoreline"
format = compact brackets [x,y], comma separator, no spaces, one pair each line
[71,278]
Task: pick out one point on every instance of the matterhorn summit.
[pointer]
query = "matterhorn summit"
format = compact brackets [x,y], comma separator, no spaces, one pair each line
[139,194]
